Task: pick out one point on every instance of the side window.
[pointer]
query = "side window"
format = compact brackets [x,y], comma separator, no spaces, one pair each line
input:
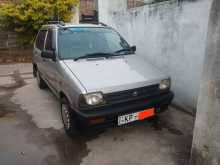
[40,39]
[49,40]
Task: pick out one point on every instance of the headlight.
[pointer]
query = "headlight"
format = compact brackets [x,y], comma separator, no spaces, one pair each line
[165,84]
[94,98]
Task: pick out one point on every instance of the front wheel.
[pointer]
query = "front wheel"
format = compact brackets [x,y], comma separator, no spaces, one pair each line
[68,118]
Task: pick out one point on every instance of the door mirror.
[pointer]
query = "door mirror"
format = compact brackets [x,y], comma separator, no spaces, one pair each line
[133,48]
[50,54]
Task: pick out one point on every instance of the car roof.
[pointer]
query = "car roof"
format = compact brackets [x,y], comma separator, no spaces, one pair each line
[72,25]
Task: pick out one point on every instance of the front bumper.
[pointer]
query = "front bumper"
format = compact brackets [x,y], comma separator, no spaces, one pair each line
[110,113]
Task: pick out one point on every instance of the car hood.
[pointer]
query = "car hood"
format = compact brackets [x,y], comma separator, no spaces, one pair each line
[114,74]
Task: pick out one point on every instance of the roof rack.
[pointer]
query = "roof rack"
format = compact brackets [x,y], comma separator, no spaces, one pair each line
[103,24]
[56,22]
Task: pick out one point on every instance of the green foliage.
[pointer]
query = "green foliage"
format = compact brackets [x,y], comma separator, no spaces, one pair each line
[27,16]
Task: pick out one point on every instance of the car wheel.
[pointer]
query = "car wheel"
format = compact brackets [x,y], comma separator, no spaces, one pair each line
[34,71]
[40,81]
[68,118]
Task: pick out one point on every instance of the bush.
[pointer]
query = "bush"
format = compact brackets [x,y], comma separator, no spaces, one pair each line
[27,16]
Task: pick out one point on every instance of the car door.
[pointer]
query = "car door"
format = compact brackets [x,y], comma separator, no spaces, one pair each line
[38,48]
[50,64]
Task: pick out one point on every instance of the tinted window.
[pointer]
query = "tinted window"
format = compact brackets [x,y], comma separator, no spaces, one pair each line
[49,40]
[40,39]
[76,42]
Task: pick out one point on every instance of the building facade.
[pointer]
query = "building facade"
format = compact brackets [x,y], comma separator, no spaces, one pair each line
[88,11]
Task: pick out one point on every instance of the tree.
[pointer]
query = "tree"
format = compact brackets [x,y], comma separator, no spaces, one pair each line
[27,16]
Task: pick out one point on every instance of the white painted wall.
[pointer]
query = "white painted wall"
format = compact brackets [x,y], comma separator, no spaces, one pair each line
[169,35]
[107,7]
[75,19]
[206,137]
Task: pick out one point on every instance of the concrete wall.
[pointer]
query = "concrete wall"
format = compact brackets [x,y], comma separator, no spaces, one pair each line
[206,143]
[108,7]
[76,15]
[169,35]
[11,49]
[8,40]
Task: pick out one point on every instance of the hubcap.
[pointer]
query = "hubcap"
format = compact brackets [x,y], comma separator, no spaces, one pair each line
[65,116]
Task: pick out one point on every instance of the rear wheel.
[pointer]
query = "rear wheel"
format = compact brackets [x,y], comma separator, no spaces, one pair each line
[34,70]
[40,81]
[68,118]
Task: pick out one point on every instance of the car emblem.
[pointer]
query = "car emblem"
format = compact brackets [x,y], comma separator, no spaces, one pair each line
[135,94]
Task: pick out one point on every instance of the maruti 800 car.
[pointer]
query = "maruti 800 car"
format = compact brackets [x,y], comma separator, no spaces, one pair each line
[98,77]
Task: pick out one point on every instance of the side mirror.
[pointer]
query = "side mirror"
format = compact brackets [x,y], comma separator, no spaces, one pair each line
[133,48]
[50,54]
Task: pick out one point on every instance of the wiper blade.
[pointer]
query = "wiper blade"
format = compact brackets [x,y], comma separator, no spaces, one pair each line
[94,55]
[123,50]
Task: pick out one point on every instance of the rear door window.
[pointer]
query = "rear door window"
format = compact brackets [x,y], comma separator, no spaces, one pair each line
[49,41]
[41,39]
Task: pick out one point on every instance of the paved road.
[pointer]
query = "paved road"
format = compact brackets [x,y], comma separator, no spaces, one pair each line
[31,131]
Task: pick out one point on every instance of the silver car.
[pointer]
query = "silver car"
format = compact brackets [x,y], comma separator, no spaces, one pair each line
[97,76]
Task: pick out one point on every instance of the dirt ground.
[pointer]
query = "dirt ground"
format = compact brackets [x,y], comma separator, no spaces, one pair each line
[15,55]
[31,131]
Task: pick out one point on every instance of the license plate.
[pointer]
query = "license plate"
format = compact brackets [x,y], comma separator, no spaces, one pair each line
[125,119]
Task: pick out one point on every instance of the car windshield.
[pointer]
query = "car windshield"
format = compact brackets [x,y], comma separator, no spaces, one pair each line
[76,42]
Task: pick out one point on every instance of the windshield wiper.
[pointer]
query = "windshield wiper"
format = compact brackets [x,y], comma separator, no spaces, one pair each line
[123,50]
[94,55]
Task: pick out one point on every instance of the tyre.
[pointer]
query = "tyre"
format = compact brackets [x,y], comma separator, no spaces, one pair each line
[41,83]
[34,71]
[68,118]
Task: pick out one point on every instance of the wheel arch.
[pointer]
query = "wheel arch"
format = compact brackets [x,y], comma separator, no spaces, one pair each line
[62,95]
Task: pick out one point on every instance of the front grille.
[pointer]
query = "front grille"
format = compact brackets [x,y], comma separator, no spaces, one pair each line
[132,94]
